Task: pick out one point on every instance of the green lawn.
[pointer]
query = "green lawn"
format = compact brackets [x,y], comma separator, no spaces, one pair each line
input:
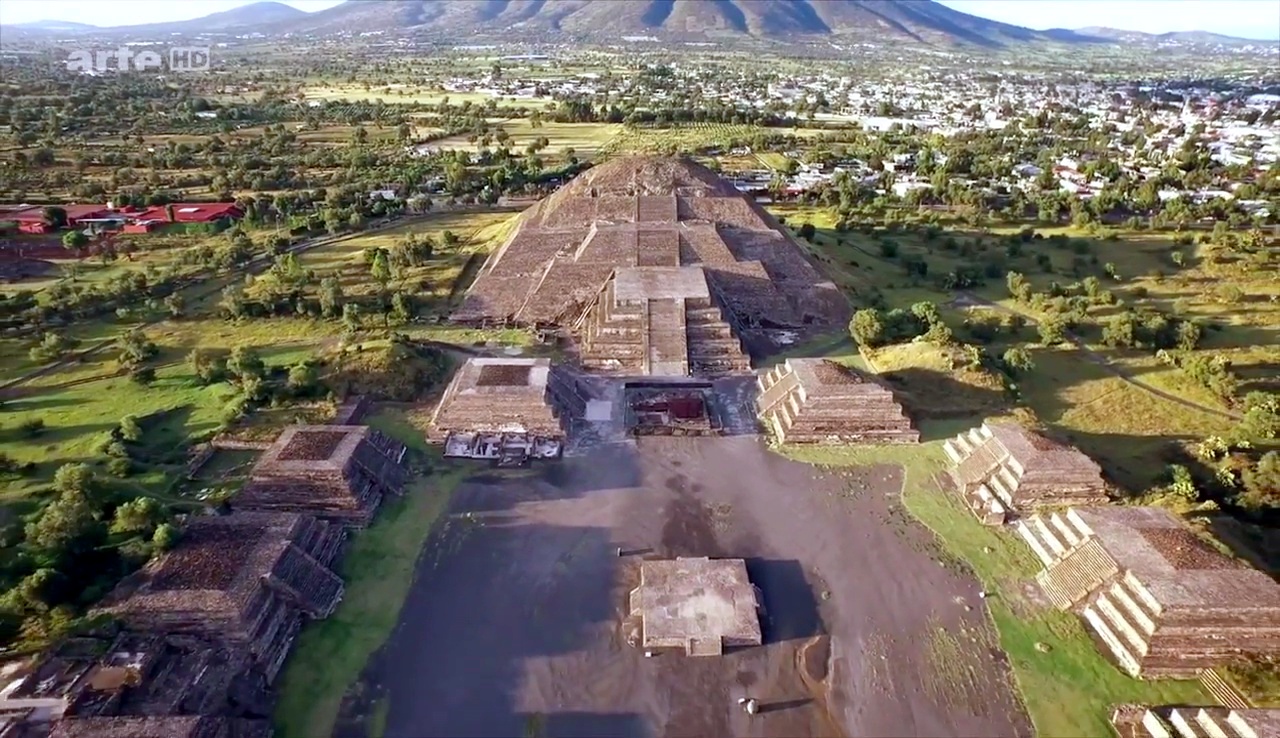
[1068,691]
[378,567]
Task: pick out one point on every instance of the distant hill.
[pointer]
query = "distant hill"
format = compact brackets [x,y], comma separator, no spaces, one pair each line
[834,21]
[1186,37]
[246,18]
[55,26]
[907,20]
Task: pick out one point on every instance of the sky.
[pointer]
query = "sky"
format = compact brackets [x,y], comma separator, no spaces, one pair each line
[1245,18]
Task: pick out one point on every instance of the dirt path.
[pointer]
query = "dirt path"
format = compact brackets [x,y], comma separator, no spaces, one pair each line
[1102,361]
[514,626]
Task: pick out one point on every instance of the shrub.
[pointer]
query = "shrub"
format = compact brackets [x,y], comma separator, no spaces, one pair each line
[1017,360]
[867,327]
[120,467]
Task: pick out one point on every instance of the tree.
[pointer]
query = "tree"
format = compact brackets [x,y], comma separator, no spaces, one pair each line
[1261,488]
[380,269]
[129,429]
[136,349]
[1119,331]
[1018,360]
[867,327]
[1182,484]
[175,304]
[1228,294]
[1053,330]
[807,231]
[1019,288]
[71,518]
[206,365]
[245,365]
[166,536]
[1261,420]
[53,346]
[74,240]
[927,312]
[402,309]
[330,297]
[351,317]
[138,516]
[303,378]
[1188,335]
[233,301]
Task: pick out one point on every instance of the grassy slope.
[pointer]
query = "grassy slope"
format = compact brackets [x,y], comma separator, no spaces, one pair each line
[1068,691]
[1124,427]
[378,568]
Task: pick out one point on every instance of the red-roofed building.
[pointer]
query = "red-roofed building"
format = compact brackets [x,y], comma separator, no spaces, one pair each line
[30,218]
[191,212]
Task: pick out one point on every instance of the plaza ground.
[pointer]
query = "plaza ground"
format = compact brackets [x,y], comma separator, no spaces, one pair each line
[514,623]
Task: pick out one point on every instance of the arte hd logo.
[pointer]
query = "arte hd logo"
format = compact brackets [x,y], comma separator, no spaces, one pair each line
[123,59]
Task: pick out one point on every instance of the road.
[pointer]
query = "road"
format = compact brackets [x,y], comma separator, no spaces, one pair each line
[1102,361]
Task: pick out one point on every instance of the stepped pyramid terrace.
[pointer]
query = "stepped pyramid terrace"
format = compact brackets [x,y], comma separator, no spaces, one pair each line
[701,605]
[1132,721]
[820,401]
[498,406]
[1002,467]
[1162,600]
[162,727]
[660,321]
[640,249]
[243,580]
[132,675]
[339,473]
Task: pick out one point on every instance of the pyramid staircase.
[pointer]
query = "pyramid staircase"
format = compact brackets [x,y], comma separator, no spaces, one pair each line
[714,350]
[1199,722]
[659,337]
[614,337]
[988,493]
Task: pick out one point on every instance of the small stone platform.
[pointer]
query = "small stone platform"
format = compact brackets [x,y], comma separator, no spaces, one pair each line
[699,604]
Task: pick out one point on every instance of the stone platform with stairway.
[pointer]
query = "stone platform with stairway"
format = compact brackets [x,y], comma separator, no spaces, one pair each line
[1002,467]
[819,401]
[1161,600]
[1136,721]
[662,322]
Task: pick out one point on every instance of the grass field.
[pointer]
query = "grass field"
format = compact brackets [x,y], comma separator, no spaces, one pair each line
[378,568]
[1125,427]
[586,139]
[478,232]
[1068,690]
[692,136]
[80,402]
[413,94]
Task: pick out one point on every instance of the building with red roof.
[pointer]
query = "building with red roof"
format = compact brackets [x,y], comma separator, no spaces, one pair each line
[191,212]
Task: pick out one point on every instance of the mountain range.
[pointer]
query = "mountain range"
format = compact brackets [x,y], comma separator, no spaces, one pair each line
[921,21]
